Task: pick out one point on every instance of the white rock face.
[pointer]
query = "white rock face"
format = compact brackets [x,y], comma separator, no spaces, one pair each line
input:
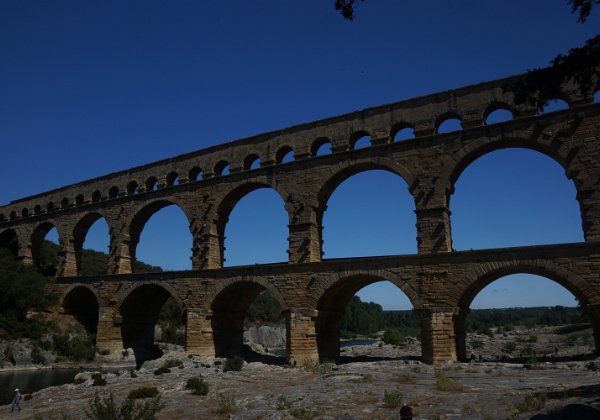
[269,337]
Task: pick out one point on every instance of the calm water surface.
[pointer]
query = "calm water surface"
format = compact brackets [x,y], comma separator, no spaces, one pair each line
[34,380]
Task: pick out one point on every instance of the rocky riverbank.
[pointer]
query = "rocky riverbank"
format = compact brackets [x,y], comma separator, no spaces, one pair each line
[355,389]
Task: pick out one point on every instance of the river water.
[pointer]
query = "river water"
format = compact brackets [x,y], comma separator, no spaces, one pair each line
[34,380]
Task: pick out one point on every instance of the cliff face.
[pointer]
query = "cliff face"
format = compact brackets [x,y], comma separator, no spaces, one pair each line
[269,337]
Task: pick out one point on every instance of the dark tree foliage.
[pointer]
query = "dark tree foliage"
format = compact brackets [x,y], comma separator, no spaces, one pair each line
[583,7]
[94,263]
[265,308]
[362,317]
[23,289]
[346,8]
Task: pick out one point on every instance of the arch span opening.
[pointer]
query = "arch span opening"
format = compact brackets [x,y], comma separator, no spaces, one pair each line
[91,242]
[523,318]
[45,248]
[514,197]
[256,228]
[369,213]
[356,313]
[9,242]
[247,322]
[81,305]
[161,238]
[141,312]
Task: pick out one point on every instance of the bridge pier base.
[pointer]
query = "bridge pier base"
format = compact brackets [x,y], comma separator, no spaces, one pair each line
[301,337]
[199,333]
[438,340]
[108,336]
[593,312]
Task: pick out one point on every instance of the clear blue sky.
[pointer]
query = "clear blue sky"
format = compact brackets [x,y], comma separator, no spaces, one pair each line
[88,88]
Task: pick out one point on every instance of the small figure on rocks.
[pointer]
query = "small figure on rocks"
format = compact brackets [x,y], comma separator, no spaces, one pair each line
[406,412]
[16,401]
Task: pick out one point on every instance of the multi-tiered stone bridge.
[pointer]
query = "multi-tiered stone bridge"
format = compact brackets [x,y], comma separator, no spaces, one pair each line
[123,306]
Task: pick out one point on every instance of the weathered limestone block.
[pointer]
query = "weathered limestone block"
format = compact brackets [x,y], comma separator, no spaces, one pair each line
[108,336]
[301,344]
[199,333]
[437,335]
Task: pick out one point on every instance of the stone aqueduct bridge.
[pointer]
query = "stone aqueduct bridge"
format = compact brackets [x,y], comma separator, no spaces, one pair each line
[313,292]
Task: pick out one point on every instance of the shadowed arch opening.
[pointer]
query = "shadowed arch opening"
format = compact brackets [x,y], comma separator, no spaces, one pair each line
[351,307]
[140,312]
[448,123]
[514,197]
[222,168]
[252,161]
[151,183]
[555,104]
[96,196]
[359,140]
[498,114]
[321,146]
[172,179]
[91,242]
[80,199]
[402,131]
[195,174]
[369,211]
[518,313]
[45,248]
[113,192]
[9,241]
[81,305]
[284,155]
[132,188]
[252,224]
[160,235]
[230,310]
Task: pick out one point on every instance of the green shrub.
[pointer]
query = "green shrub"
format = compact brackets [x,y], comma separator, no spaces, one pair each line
[162,370]
[107,409]
[476,344]
[143,392]
[317,367]
[303,414]
[37,357]
[509,347]
[225,403]
[171,363]
[74,347]
[392,336]
[392,399]
[283,403]
[79,381]
[532,402]
[45,345]
[445,384]
[234,364]
[197,386]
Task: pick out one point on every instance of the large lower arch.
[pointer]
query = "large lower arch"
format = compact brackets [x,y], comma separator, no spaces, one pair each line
[140,311]
[229,307]
[331,305]
[82,304]
[482,276]
[226,206]
[142,217]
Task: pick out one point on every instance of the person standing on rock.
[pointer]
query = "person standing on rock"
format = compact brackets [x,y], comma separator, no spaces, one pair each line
[16,401]
[406,412]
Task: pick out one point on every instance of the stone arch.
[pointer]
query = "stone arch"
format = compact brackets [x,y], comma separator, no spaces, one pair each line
[132,188]
[151,183]
[139,307]
[220,167]
[80,232]
[37,239]
[171,178]
[10,240]
[141,217]
[250,160]
[229,304]
[333,296]
[282,153]
[113,192]
[441,119]
[316,145]
[194,174]
[396,128]
[484,274]
[81,301]
[345,170]
[227,203]
[496,106]
[470,153]
[358,135]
